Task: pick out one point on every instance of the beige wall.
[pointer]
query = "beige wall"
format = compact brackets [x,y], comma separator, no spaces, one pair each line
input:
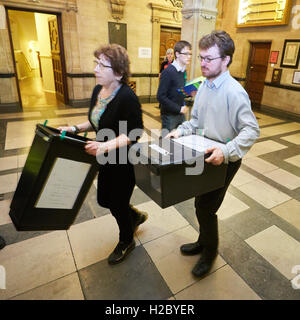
[93,17]
[283,99]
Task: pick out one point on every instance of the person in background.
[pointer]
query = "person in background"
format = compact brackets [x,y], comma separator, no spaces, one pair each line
[172,106]
[222,110]
[113,101]
[167,61]
[2,243]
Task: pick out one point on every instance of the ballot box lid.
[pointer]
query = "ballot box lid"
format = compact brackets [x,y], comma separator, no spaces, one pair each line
[162,154]
[49,133]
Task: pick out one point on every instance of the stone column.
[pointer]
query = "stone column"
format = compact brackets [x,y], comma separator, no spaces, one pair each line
[198,19]
[9,100]
[72,56]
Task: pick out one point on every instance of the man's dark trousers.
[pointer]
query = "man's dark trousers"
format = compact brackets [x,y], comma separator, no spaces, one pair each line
[207,206]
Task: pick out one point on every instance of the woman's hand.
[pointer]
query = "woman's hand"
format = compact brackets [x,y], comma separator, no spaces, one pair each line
[68,129]
[95,148]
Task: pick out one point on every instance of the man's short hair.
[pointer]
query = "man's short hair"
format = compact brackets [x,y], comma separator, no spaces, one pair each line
[222,40]
[180,45]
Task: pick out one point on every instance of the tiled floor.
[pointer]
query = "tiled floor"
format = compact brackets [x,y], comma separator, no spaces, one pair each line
[259,226]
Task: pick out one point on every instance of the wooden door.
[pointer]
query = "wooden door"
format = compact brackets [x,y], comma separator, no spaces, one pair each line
[168,38]
[56,59]
[256,72]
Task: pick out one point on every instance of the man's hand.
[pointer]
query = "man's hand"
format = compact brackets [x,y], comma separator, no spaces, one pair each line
[216,157]
[184,109]
[173,134]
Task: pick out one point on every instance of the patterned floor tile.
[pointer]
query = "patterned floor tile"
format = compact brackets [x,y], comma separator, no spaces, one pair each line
[264,194]
[165,252]
[66,288]
[135,279]
[8,182]
[242,177]
[20,115]
[247,223]
[34,262]
[278,248]
[93,240]
[284,178]
[264,147]
[218,286]
[7,163]
[294,160]
[265,280]
[234,250]
[160,221]
[294,138]
[21,160]
[188,211]
[259,165]
[138,197]
[251,208]
[280,129]
[4,211]
[71,111]
[231,206]
[289,211]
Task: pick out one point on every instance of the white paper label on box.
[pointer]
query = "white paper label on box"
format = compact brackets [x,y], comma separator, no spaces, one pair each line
[63,184]
[159,149]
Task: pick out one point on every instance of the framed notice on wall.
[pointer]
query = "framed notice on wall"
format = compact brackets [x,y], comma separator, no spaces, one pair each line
[296,77]
[274,56]
[290,54]
[117,33]
[276,76]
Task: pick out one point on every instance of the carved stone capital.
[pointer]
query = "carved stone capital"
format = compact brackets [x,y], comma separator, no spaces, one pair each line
[176,3]
[205,14]
[117,8]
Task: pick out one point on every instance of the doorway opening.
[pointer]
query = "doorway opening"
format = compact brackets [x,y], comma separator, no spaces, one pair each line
[256,71]
[38,58]
[168,37]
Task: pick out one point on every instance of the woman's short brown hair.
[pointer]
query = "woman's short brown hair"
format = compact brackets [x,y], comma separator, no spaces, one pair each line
[118,58]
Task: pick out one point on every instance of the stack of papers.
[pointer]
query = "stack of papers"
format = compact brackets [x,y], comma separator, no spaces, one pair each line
[198,143]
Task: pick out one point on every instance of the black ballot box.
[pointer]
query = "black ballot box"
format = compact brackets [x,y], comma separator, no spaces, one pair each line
[55,180]
[169,172]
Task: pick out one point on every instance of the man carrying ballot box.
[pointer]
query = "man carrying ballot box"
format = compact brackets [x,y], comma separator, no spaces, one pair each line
[222,111]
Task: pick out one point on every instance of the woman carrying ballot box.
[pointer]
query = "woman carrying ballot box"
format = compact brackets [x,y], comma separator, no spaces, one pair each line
[113,102]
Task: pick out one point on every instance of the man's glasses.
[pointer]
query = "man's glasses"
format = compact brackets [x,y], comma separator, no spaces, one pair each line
[186,53]
[207,59]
